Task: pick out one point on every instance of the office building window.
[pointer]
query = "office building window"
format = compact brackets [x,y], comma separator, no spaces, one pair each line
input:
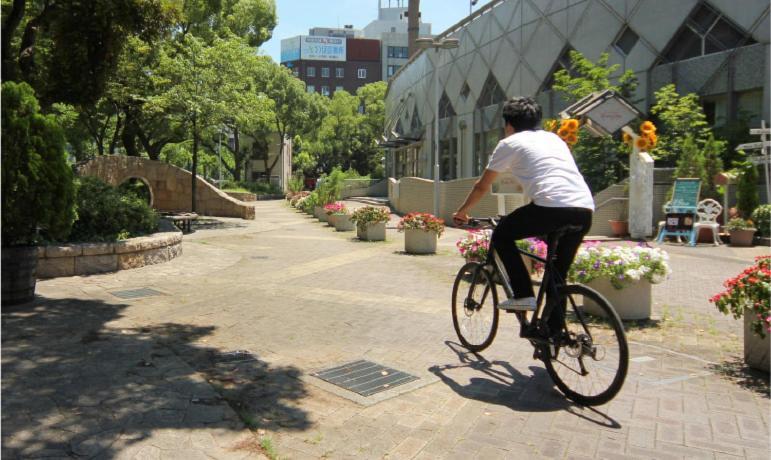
[310,71]
[401,52]
[325,90]
[339,88]
[311,88]
[325,72]
[392,69]
[362,73]
[295,72]
[340,72]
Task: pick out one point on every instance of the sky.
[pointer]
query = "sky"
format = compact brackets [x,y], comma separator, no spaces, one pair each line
[295,17]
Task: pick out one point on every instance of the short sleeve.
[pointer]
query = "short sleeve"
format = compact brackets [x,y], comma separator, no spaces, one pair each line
[502,157]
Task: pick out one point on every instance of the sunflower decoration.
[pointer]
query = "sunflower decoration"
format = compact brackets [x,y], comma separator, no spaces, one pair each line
[647,137]
[550,125]
[568,130]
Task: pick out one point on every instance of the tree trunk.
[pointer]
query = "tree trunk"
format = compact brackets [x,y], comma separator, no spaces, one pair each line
[129,136]
[195,161]
[9,28]
[238,156]
[116,134]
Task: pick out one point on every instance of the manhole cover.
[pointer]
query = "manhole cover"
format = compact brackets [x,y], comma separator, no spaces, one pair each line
[364,377]
[136,293]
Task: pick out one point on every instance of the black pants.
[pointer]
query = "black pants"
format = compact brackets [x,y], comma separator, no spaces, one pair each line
[533,220]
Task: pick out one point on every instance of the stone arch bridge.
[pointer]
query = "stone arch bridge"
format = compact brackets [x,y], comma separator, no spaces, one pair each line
[170,186]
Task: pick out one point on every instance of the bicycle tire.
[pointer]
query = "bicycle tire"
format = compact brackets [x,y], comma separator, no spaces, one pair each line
[600,321]
[468,321]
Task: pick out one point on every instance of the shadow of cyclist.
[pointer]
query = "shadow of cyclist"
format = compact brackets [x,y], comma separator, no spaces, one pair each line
[506,386]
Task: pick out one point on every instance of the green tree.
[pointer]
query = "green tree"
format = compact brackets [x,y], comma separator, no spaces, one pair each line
[680,117]
[586,77]
[747,198]
[37,183]
[67,50]
[602,161]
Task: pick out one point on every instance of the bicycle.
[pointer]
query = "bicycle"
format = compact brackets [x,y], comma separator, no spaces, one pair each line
[590,343]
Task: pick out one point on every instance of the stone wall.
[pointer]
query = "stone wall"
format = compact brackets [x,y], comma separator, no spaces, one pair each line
[91,258]
[242,196]
[170,186]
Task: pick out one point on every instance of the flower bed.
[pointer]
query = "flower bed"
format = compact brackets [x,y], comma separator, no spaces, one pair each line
[620,265]
[475,245]
[421,221]
[337,207]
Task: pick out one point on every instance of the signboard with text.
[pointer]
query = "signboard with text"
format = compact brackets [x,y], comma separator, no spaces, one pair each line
[322,48]
[290,49]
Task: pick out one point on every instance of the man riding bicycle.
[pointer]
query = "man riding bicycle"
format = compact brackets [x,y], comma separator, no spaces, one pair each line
[543,165]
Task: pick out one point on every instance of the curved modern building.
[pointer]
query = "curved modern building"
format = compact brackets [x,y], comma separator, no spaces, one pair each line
[718,49]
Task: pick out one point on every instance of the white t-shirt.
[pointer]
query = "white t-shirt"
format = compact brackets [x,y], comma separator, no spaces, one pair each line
[542,163]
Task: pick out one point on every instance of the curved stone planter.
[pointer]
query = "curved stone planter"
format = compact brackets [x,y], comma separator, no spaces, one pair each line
[92,258]
[320,214]
[756,349]
[343,223]
[420,242]
[372,232]
[631,302]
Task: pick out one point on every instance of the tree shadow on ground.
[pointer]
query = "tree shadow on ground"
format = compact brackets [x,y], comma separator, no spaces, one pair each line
[210,223]
[507,386]
[738,372]
[76,384]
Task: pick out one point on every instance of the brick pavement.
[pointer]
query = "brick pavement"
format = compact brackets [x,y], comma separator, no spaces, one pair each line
[88,374]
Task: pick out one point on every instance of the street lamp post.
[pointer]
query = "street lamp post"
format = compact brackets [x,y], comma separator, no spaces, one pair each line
[445,43]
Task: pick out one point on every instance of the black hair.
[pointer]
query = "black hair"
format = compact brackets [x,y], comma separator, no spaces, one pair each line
[522,113]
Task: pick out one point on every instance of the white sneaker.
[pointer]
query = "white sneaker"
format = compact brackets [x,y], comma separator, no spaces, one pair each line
[521,304]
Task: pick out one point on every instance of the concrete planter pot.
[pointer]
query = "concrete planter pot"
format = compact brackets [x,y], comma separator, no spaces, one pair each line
[420,242]
[372,232]
[631,302]
[331,220]
[756,349]
[742,238]
[320,214]
[343,223]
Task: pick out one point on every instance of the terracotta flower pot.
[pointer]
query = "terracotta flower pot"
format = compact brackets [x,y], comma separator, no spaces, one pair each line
[619,227]
[742,237]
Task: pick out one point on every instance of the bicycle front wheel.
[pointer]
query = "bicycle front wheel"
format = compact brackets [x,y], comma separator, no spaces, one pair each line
[474,307]
[592,355]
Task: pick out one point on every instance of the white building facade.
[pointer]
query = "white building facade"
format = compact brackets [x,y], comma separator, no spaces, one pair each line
[391,29]
[718,49]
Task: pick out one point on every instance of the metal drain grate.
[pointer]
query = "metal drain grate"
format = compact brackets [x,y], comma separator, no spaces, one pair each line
[364,377]
[136,293]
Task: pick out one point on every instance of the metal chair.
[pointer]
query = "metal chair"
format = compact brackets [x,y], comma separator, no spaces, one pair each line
[707,212]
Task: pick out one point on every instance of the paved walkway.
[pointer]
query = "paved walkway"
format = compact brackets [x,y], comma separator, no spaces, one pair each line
[88,374]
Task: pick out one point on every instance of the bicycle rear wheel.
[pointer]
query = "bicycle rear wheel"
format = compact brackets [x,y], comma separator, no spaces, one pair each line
[474,307]
[592,355]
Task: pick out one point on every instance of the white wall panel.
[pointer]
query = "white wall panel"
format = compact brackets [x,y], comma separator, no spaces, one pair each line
[596,32]
[658,20]
[743,13]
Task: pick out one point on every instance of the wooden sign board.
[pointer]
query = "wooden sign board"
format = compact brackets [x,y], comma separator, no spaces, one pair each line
[686,194]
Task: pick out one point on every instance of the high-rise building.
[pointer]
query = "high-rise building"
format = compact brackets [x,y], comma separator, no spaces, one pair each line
[391,29]
[331,60]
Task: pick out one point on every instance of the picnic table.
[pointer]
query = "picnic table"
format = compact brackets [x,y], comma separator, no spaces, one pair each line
[183,220]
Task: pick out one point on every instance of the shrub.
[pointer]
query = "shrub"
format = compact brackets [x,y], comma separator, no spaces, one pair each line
[737,223]
[296,183]
[106,214]
[309,202]
[421,221]
[38,189]
[258,188]
[475,245]
[747,189]
[750,289]
[762,218]
[370,215]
